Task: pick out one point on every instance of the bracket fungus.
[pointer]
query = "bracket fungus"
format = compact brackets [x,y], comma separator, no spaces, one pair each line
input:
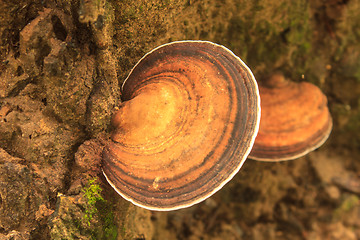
[295,120]
[188,120]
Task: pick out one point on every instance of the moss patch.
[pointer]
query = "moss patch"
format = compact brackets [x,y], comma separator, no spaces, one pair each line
[98,212]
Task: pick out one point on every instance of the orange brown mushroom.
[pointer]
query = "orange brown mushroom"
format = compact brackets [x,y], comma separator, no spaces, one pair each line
[189,118]
[295,120]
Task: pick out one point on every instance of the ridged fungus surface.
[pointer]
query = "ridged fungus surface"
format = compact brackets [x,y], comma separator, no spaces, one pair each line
[189,117]
[295,120]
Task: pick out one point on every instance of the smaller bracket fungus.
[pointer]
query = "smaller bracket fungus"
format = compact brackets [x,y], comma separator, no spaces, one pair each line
[295,120]
[188,120]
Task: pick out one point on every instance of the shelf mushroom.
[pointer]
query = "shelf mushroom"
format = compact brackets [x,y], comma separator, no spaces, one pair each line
[188,120]
[295,120]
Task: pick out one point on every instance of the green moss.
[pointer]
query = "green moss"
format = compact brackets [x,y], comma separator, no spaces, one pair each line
[348,205]
[347,122]
[110,229]
[93,195]
[354,126]
[271,35]
[98,212]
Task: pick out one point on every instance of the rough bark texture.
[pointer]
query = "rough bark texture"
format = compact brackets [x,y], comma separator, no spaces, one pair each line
[61,65]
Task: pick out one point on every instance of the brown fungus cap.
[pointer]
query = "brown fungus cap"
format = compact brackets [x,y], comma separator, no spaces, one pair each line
[189,118]
[294,120]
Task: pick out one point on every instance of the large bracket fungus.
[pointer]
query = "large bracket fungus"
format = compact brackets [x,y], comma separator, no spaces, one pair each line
[189,119]
[295,120]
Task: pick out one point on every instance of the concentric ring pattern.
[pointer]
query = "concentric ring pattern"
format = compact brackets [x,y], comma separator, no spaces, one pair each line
[188,120]
[295,120]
